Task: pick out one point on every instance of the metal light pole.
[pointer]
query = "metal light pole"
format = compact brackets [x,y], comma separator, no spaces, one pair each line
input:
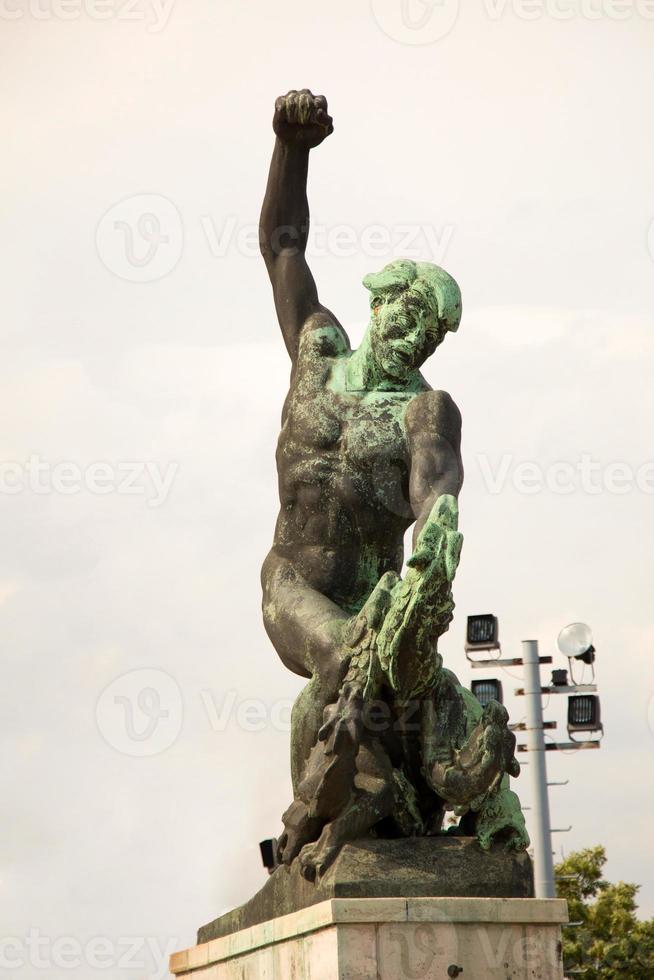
[543,861]
[575,642]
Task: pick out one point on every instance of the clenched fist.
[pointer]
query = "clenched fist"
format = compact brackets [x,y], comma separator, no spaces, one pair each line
[301,118]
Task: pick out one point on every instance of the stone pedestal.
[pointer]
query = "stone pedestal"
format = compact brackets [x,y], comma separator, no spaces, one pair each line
[410,867]
[391,939]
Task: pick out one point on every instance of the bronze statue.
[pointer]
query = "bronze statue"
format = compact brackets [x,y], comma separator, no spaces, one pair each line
[384,738]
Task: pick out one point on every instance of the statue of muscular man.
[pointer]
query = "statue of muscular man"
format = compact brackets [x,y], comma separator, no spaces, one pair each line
[367,449]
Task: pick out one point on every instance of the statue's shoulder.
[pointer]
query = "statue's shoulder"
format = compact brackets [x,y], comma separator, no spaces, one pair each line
[322,336]
[433,411]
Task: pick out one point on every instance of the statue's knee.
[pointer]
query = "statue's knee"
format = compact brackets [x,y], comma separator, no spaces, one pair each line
[271,604]
[308,708]
[269,571]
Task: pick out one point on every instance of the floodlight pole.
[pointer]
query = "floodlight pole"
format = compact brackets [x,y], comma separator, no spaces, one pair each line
[543,861]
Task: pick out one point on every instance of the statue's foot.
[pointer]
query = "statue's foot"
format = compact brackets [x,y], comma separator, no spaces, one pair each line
[299,829]
[316,858]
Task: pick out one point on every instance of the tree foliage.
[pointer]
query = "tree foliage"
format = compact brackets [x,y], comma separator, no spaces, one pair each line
[610,942]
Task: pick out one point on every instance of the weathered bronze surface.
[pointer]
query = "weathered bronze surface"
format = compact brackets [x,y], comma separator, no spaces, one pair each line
[385,741]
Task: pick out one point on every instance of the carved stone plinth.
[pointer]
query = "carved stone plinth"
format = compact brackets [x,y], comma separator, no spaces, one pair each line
[413,867]
[391,939]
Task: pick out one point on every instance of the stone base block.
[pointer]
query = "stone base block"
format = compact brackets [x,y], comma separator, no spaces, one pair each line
[391,939]
[413,867]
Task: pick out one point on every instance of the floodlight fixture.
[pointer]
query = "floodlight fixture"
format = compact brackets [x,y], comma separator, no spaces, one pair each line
[584,713]
[487,690]
[575,641]
[482,633]
[269,857]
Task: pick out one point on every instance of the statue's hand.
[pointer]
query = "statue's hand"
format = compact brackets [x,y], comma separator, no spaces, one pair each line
[439,535]
[422,604]
[301,118]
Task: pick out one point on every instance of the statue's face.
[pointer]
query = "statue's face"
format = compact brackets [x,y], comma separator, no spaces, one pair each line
[399,338]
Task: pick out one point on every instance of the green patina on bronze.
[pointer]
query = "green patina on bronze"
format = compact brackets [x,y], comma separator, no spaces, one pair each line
[385,741]
[422,605]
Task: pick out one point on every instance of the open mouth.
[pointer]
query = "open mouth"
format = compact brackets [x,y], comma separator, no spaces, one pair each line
[403,356]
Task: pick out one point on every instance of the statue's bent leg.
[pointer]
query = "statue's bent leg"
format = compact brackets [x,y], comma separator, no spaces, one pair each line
[306,628]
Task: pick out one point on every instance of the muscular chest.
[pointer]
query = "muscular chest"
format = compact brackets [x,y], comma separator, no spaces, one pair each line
[321,418]
[356,439]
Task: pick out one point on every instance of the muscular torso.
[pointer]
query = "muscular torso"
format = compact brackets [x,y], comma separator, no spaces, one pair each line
[344,462]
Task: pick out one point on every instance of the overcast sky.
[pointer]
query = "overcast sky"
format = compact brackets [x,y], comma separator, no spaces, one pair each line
[145,713]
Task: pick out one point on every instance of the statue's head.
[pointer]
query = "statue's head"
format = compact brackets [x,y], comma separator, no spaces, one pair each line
[413,305]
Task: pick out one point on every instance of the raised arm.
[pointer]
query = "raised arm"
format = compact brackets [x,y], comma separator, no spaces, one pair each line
[301,122]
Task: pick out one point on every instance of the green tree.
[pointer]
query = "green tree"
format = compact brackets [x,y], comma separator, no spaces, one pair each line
[610,942]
